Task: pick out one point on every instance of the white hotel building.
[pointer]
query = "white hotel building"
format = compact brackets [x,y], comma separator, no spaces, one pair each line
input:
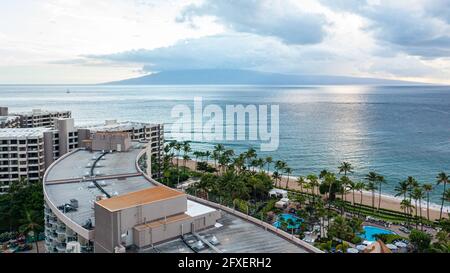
[17,150]
[22,155]
[41,118]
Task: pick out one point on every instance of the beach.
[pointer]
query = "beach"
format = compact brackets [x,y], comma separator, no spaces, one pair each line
[387,202]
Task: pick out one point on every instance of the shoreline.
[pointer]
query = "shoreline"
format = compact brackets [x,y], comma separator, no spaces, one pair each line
[387,201]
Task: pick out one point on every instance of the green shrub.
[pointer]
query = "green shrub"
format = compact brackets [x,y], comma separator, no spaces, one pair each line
[205,167]
[389,238]
[420,240]
[356,240]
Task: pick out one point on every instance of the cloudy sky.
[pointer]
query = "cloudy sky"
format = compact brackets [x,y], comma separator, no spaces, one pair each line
[85,41]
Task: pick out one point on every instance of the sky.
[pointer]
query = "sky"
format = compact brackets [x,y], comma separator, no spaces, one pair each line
[85,41]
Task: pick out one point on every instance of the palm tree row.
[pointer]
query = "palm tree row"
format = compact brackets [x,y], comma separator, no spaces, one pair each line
[411,190]
[225,158]
[326,183]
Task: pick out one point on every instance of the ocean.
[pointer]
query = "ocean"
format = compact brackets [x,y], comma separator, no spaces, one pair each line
[397,131]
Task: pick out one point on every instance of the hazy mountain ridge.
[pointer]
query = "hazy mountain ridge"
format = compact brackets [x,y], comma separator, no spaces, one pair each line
[229,76]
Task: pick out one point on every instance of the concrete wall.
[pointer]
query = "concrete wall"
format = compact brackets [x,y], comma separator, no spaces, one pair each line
[64,126]
[48,148]
[111,225]
[111,141]
[3,111]
[106,230]
[83,134]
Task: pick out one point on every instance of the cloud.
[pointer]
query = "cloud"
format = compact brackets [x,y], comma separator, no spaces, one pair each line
[254,52]
[281,19]
[414,27]
[439,9]
[227,51]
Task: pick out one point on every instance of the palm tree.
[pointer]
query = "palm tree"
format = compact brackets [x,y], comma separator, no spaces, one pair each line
[197,154]
[418,195]
[402,189]
[370,186]
[219,148]
[328,179]
[288,172]
[442,178]
[249,155]
[215,155]
[323,174]
[380,180]
[177,147]
[345,168]
[314,182]
[260,162]
[224,160]
[269,161]
[407,207]
[428,188]
[254,163]
[185,159]
[447,195]
[186,150]
[345,183]
[360,186]
[276,176]
[172,145]
[352,187]
[239,162]
[279,166]
[30,225]
[372,178]
[412,183]
[207,154]
[301,182]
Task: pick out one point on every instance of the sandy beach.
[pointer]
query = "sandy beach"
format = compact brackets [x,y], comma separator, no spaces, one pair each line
[387,202]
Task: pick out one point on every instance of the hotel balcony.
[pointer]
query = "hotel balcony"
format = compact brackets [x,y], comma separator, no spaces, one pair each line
[48,248]
[53,236]
[48,241]
[61,248]
[61,231]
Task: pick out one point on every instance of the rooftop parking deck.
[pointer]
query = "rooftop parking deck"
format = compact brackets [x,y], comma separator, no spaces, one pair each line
[79,163]
[116,174]
[86,194]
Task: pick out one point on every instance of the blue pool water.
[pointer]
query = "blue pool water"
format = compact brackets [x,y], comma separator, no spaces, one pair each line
[371,231]
[286,217]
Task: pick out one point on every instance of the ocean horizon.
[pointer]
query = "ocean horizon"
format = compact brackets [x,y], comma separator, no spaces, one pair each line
[397,131]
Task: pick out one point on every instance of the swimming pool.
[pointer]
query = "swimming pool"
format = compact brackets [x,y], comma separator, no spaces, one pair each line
[286,216]
[371,231]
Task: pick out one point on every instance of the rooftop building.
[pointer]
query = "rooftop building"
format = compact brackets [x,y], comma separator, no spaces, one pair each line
[138,131]
[41,118]
[26,152]
[22,155]
[117,207]
[108,186]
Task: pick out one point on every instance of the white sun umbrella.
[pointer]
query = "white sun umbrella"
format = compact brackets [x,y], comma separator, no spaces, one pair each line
[360,247]
[352,250]
[400,244]
[391,246]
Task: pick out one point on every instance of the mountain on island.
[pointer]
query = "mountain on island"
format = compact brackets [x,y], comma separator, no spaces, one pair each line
[243,77]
